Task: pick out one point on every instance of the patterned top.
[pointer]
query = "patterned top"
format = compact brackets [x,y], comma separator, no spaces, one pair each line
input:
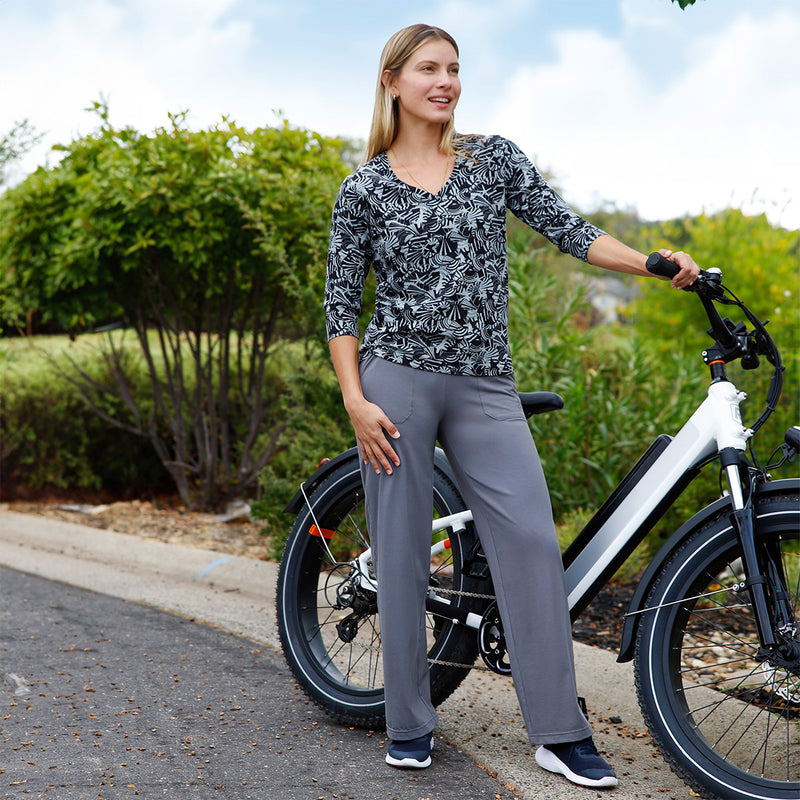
[440,260]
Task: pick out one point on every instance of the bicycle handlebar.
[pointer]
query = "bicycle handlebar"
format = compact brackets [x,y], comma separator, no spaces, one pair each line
[707,286]
[663,267]
[707,283]
[732,342]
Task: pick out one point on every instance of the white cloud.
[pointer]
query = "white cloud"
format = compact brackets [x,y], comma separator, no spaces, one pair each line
[708,124]
[723,128]
[147,58]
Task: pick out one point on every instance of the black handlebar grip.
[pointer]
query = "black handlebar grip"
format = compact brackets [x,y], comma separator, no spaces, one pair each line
[663,267]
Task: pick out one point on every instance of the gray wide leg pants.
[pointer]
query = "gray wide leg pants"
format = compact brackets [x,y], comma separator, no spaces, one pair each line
[480,425]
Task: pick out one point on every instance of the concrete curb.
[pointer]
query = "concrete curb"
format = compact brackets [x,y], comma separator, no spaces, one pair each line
[481,719]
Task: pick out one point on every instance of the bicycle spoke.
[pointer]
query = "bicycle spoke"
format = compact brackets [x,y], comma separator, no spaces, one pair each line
[786,571]
[741,706]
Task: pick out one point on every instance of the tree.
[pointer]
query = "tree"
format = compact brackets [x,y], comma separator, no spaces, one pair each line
[684,3]
[210,247]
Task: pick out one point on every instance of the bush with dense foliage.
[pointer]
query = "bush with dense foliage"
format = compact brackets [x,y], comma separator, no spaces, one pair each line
[215,240]
[760,262]
[626,383]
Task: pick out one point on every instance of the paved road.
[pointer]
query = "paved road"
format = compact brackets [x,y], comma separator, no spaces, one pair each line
[110,699]
[191,671]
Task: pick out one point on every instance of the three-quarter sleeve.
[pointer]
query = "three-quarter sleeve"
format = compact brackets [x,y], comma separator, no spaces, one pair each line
[440,260]
[349,259]
[531,199]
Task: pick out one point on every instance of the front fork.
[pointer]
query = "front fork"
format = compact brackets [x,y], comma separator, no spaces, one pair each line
[766,581]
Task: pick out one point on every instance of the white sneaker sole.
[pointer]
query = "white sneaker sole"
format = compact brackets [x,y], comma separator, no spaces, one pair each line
[549,761]
[409,763]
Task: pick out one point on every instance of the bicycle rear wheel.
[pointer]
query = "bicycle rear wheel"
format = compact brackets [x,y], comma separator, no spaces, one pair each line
[728,723]
[329,625]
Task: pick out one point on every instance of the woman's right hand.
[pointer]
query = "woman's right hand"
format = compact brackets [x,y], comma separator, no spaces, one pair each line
[371,425]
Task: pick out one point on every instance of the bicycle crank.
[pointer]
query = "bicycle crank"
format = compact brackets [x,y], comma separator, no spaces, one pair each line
[492,641]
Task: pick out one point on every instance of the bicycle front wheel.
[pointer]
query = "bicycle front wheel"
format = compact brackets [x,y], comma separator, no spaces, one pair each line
[726,720]
[328,618]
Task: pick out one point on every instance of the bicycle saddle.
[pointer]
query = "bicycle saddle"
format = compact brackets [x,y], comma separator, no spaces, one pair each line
[539,402]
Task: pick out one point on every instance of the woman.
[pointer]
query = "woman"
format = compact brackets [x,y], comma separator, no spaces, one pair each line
[427,212]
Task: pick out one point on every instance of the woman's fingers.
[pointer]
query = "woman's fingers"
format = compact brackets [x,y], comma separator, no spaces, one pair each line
[379,457]
[379,453]
[689,271]
[372,427]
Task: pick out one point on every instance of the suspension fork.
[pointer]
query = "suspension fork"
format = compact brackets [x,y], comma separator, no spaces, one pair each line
[763,588]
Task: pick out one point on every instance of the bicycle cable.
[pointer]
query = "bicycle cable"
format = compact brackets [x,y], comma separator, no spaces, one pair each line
[316,523]
[737,587]
[772,354]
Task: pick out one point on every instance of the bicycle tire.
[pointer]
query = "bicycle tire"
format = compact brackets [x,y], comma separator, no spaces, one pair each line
[717,715]
[344,678]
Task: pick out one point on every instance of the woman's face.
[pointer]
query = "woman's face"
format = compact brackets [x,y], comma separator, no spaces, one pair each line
[428,86]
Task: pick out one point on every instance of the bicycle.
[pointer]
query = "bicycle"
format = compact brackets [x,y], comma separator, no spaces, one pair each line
[713,624]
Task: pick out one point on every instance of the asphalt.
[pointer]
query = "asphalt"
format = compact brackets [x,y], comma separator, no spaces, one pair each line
[138,668]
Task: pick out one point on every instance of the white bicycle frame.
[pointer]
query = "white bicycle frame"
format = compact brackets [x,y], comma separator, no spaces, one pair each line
[714,426]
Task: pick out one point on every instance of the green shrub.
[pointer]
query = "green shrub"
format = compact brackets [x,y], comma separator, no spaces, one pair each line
[623,385]
[215,239]
[619,393]
[761,264]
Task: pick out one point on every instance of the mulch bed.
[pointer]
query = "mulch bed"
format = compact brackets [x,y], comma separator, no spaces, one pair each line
[600,623]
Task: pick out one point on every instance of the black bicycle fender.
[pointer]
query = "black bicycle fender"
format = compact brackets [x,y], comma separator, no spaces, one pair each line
[326,467]
[311,483]
[628,638]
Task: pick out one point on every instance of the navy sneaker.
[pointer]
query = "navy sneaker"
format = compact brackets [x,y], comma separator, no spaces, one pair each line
[578,762]
[411,754]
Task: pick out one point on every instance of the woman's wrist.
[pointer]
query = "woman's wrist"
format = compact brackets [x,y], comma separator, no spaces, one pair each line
[353,401]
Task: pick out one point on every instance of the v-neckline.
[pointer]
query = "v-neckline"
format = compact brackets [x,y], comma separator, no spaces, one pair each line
[413,186]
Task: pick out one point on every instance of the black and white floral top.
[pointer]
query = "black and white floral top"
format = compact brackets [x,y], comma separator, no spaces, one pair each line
[440,260]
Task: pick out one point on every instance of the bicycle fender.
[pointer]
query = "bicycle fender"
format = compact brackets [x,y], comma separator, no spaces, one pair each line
[628,638]
[311,483]
[326,467]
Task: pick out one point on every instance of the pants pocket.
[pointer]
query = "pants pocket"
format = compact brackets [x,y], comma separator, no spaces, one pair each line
[388,385]
[499,398]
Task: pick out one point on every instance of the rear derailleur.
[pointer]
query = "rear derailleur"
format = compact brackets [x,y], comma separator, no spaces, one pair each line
[363,602]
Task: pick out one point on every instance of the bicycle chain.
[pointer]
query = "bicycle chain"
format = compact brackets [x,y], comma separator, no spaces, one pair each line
[442,590]
[437,661]
[459,666]
[480,667]
[371,649]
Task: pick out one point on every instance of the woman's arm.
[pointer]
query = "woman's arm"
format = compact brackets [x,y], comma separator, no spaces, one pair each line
[609,253]
[531,199]
[370,423]
[349,258]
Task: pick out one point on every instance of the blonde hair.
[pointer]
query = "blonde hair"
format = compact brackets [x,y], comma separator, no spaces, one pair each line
[400,47]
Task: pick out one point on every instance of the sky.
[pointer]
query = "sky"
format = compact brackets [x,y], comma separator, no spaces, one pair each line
[633,104]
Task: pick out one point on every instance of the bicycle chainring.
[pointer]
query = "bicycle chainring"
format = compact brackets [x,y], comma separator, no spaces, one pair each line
[492,641]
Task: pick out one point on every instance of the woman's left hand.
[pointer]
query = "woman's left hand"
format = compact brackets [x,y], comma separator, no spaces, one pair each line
[689,270]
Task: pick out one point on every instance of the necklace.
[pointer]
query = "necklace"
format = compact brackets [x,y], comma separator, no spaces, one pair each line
[416,180]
